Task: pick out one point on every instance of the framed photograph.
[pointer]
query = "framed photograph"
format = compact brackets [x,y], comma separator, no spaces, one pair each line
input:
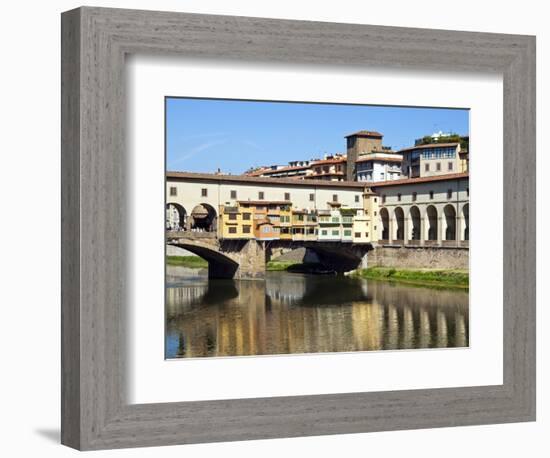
[266,228]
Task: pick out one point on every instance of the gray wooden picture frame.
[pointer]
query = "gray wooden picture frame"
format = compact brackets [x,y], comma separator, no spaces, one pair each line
[95,413]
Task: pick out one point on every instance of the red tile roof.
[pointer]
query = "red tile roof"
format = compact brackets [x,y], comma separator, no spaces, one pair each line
[365,133]
[448,176]
[382,159]
[430,145]
[335,160]
[172,175]
[280,170]
[266,202]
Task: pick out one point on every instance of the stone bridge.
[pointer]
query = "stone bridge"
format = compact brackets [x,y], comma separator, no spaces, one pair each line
[246,259]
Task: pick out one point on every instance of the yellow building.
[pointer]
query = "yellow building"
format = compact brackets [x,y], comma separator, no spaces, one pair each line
[285,223]
[365,227]
[236,222]
[304,225]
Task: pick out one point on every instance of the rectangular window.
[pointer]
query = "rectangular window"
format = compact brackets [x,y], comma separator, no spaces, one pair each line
[438,166]
[246,216]
[427,167]
[449,193]
[383,199]
[399,197]
[233,216]
[357,235]
[414,196]
[347,233]
[311,197]
[246,229]
[367,234]
[287,196]
[173,191]
[450,166]
[232,230]
[261,195]
[204,192]
[337,233]
[324,232]
[335,197]
[357,198]
[431,194]
[233,194]
[468,192]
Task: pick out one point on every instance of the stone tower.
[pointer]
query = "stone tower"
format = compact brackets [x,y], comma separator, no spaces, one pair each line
[361,142]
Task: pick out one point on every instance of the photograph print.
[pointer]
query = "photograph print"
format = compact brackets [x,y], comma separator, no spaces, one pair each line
[299,228]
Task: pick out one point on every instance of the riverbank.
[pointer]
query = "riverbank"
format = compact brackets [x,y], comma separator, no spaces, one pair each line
[434,278]
[194,262]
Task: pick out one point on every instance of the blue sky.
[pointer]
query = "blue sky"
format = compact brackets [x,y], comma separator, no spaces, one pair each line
[203,135]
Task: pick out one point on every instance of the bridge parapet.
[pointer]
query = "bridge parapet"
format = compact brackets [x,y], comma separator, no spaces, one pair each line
[190,235]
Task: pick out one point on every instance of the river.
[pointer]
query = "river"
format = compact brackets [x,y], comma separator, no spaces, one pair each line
[297,313]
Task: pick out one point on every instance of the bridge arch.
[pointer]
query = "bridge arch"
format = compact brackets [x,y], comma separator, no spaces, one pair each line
[204,218]
[339,258]
[176,217]
[385,220]
[432,218]
[466,218]
[220,265]
[415,223]
[399,223]
[449,213]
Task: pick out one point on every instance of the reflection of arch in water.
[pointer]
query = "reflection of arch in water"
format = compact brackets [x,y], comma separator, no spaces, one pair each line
[176,217]
[415,223]
[204,218]
[431,214]
[466,217]
[449,213]
[385,220]
[399,223]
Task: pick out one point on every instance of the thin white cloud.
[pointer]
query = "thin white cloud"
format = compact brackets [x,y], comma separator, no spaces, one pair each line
[197,149]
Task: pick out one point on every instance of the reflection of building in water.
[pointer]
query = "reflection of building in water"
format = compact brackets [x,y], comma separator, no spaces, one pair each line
[254,318]
[286,290]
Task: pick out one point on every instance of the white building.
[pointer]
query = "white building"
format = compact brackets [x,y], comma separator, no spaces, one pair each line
[378,167]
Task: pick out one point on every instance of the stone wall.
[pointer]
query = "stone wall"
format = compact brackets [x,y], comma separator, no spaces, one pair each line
[295,255]
[419,258]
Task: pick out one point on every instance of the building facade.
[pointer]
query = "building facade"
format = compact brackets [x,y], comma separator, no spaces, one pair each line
[378,167]
[434,159]
[425,211]
[285,209]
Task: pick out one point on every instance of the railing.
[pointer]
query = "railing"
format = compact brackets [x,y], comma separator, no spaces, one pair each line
[450,243]
[431,243]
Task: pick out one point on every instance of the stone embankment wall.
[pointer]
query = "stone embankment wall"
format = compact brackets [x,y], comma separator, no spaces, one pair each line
[419,258]
[297,255]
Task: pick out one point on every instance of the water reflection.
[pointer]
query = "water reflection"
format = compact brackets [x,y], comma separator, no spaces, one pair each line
[294,313]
